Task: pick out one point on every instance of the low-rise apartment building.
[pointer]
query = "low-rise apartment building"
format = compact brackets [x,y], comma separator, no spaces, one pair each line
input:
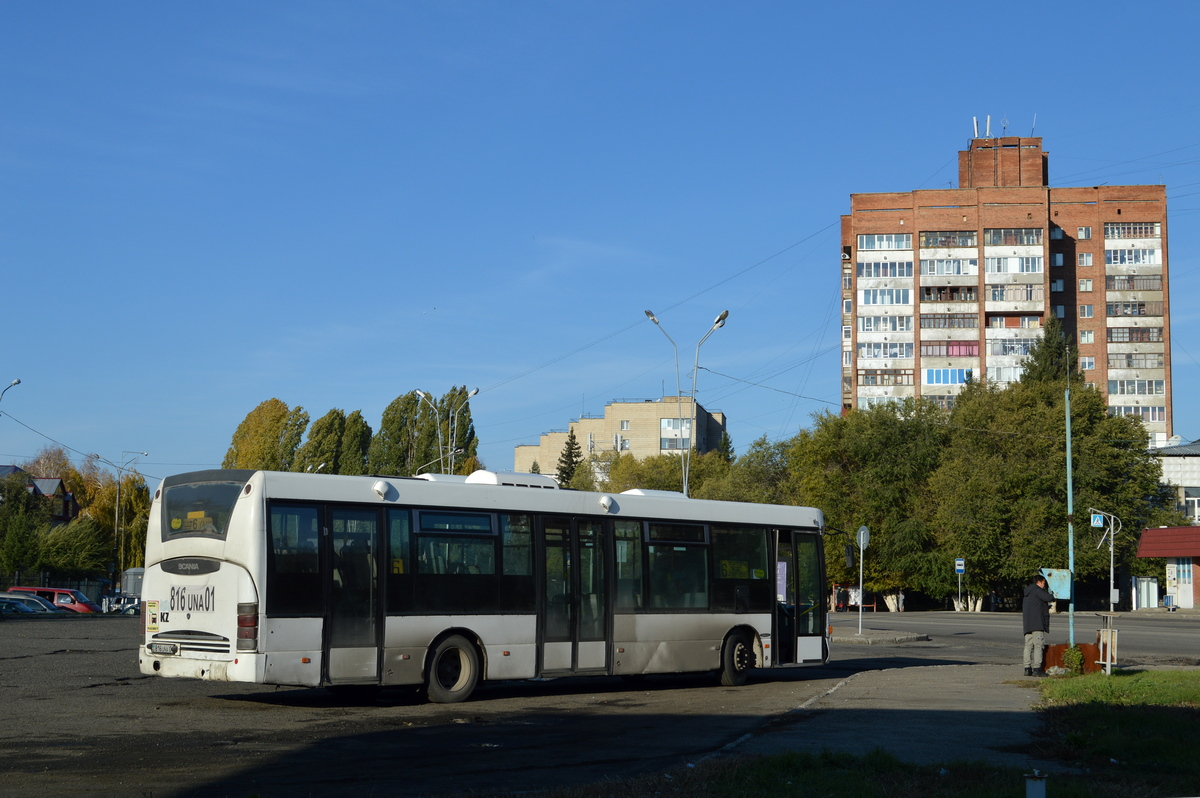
[640,427]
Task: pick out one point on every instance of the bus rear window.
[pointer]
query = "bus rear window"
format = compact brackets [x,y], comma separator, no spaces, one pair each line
[199,508]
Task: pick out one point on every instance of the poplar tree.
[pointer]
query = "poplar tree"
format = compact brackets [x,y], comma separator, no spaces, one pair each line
[321,453]
[267,438]
[459,428]
[355,444]
[393,448]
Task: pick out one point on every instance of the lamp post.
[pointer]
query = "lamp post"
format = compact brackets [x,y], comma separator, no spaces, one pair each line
[6,387]
[1108,519]
[431,462]
[718,324]
[120,541]
[455,449]
[437,422]
[678,393]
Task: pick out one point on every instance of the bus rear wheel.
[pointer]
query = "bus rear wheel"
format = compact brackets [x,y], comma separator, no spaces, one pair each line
[737,659]
[453,671]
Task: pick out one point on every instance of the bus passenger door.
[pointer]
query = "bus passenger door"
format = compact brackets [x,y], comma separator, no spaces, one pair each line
[574,615]
[352,656]
[799,599]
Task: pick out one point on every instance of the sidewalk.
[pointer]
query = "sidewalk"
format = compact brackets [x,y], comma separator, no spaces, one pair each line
[930,715]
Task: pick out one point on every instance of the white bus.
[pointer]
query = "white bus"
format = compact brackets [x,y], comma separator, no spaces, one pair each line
[353,581]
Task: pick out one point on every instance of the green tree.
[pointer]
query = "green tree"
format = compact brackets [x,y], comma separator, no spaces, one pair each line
[267,438]
[21,551]
[658,472]
[134,519]
[569,459]
[759,475]
[79,548]
[355,445]
[470,465]
[1052,358]
[535,468]
[870,467]
[23,516]
[584,477]
[725,447]
[999,497]
[322,452]
[459,428]
[406,434]
[391,446]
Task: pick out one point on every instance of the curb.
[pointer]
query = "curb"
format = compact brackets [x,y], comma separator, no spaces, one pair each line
[870,640]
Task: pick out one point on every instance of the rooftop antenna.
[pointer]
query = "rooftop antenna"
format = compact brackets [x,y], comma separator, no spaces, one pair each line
[988,132]
[975,123]
[1004,126]
[1034,126]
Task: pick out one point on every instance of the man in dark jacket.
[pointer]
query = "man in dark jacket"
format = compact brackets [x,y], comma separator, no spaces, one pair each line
[1035,613]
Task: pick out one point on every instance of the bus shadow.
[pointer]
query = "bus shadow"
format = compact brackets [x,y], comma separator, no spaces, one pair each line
[539,749]
[413,695]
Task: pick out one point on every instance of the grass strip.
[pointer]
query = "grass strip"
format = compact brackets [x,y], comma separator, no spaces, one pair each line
[1134,727]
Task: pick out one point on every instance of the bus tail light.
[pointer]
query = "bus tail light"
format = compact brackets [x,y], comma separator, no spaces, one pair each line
[247,626]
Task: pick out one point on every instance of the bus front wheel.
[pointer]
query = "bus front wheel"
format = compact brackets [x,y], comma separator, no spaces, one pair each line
[453,671]
[737,659]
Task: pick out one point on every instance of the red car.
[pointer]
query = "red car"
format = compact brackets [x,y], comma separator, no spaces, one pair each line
[61,597]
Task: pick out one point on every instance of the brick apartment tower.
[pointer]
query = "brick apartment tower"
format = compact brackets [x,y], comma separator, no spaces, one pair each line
[940,282]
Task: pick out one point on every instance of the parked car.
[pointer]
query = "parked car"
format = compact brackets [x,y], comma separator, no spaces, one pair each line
[61,597]
[125,605]
[35,603]
[12,607]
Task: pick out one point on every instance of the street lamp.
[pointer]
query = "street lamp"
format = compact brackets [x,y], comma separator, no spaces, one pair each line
[454,427]
[437,422]
[6,387]
[717,324]
[1107,520]
[431,462]
[120,539]
[678,393]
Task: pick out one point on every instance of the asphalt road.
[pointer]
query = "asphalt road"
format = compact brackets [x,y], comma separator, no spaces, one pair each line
[1150,637]
[81,720]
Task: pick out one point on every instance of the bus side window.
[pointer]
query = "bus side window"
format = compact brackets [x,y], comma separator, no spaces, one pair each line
[809,584]
[294,582]
[516,554]
[740,582]
[678,576]
[400,570]
[628,539]
[456,573]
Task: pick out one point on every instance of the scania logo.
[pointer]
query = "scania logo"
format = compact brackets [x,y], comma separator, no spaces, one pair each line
[191,566]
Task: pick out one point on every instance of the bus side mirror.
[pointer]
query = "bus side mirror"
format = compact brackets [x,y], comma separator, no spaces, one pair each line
[849,556]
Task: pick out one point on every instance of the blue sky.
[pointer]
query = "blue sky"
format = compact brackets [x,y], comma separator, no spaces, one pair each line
[203,206]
